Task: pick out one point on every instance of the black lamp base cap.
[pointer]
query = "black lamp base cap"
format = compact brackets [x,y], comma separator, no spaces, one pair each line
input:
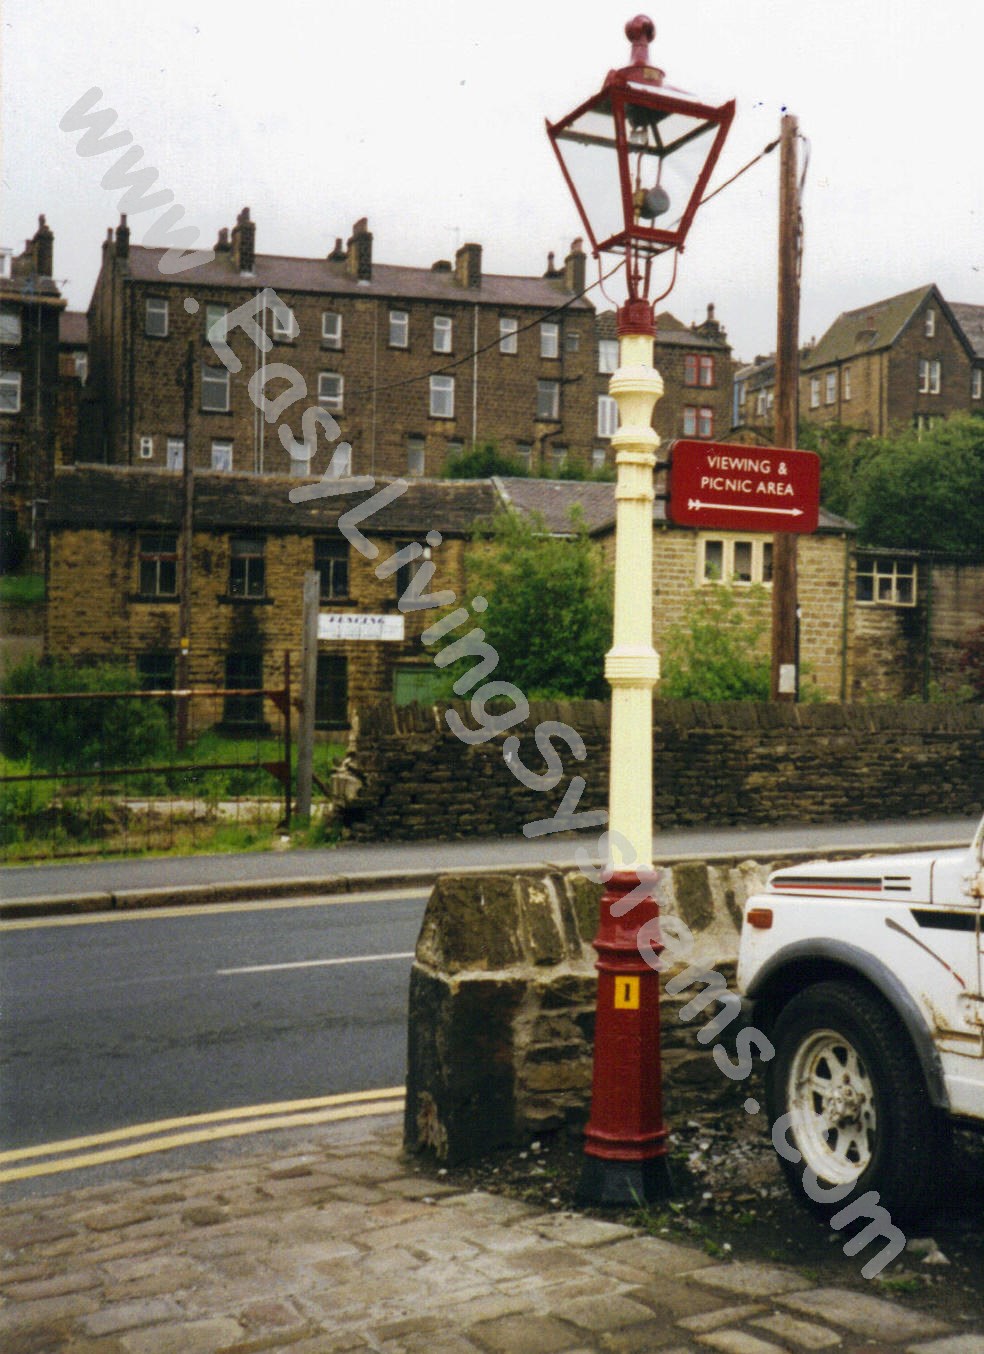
[624,1182]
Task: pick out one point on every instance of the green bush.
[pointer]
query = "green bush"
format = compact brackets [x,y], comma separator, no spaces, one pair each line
[718,653]
[83,734]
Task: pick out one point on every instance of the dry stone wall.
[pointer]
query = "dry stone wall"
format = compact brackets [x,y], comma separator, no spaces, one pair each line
[407,777]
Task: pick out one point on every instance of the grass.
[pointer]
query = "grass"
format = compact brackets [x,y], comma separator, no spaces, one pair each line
[22,589]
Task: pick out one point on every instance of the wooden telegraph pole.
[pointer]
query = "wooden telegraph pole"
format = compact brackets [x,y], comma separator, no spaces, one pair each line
[785,656]
[309,669]
[187,520]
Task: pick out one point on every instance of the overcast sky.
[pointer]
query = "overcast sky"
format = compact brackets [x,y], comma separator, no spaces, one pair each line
[427,117]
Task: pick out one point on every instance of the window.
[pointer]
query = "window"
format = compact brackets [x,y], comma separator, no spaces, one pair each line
[155,320]
[846,383]
[331,559]
[929,377]
[923,422]
[10,392]
[734,561]
[976,383]
[416,456]
[814,392]
[442,397]
[331,390]
[549,340]
[442,334]
[883,581]
[929,326]
[342,459]
[247,574]
[454,448]
[155,672]
[607,355]
[697,370]
[146,448]
[10,325]
[81,361]
[243,672]
[331,329]
[399,328]
[524,455]
[406,573]
[548,400]
[607,416]
[175,453]
[159,564]
[222,456]
[216,329]
[760,402]
[8,462]
[698,420]
[215,389]
[599,458]
[830,387]
[572,341]
[507,334]
[331,691]
[6,258]
[558,459]
[284,327]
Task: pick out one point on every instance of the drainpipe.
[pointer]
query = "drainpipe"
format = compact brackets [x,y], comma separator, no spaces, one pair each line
[474,436]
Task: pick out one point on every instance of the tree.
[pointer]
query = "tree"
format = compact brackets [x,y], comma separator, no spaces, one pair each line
[549,615]
[479,463]
[717,653]
[842,450]
[924,491]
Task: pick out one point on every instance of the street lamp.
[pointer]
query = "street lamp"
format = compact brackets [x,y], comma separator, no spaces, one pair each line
[637,157]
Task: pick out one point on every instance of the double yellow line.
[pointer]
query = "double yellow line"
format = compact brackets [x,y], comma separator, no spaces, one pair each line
[73,1154]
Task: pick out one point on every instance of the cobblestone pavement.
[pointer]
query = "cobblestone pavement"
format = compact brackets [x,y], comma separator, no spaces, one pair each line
[342,1245]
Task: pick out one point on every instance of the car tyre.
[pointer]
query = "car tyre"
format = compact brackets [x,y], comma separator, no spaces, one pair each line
[846,1073]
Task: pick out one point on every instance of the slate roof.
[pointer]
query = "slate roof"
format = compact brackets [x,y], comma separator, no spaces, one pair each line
[321,276]
[669,331]
[970,318]
[73,328]
[91,496]
[31,289]
[553,499]
[869,328]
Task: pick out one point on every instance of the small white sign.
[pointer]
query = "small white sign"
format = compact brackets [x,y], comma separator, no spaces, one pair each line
[335,625]
[787,679]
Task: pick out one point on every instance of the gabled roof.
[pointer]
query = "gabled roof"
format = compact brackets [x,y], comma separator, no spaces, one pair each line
[970,318]
[96,496]
[670,332]
[870,328]
[761,372]
[330,278]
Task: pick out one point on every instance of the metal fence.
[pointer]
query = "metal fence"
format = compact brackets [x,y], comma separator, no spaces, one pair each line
[105,772]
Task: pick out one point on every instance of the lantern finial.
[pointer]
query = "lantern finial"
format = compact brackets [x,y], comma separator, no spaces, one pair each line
[640,31]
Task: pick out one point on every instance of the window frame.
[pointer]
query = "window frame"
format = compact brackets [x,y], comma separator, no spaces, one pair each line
[845,383]
[443,330]
[549,339]
[607,356]
[9,454]
[607,421]
[441,393]
[174,453]
[11,315]
[157,564]
[399,322]
[885,569]
[508,335]
[929,323]
[221,446]
[977,383]
[218,323]
[548,386]
[243,710]
[330,707]
[760,560]
[212,378]
[157,305]
[331,562]
[331,339]
[247,580]
[830,387]
[814,392]
[282,332]
[698,420]
[14,380]
[416,446]
[335,401]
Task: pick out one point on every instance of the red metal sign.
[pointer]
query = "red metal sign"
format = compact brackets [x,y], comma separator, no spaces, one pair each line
[724,485]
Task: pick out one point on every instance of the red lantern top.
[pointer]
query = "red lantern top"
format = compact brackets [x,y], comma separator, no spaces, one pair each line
[637,157]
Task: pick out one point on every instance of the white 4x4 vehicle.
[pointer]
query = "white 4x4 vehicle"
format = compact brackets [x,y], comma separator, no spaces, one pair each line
[866,975]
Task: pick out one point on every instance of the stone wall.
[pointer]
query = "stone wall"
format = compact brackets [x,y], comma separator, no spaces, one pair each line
[407,777]
[502,998]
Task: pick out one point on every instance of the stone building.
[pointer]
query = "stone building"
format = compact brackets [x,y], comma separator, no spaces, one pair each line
[412,364]
[898,363]
[114,581]
[697,370]
[30,308]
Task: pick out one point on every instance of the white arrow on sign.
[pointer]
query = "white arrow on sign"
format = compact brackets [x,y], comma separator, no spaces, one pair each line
[695,503]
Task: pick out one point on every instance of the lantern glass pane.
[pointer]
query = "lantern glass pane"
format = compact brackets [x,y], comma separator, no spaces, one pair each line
[667,152]
[589,151]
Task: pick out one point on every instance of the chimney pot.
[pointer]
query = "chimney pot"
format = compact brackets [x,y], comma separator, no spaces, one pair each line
[359,254]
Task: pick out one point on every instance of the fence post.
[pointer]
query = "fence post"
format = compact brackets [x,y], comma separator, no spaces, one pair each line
[309,670]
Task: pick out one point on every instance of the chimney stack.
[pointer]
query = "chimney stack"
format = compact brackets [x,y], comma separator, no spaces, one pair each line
[468,266]
[244,243]
[123,239]
[222,244]
[338,254]
[43,246]
[359,255]
[574,267]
